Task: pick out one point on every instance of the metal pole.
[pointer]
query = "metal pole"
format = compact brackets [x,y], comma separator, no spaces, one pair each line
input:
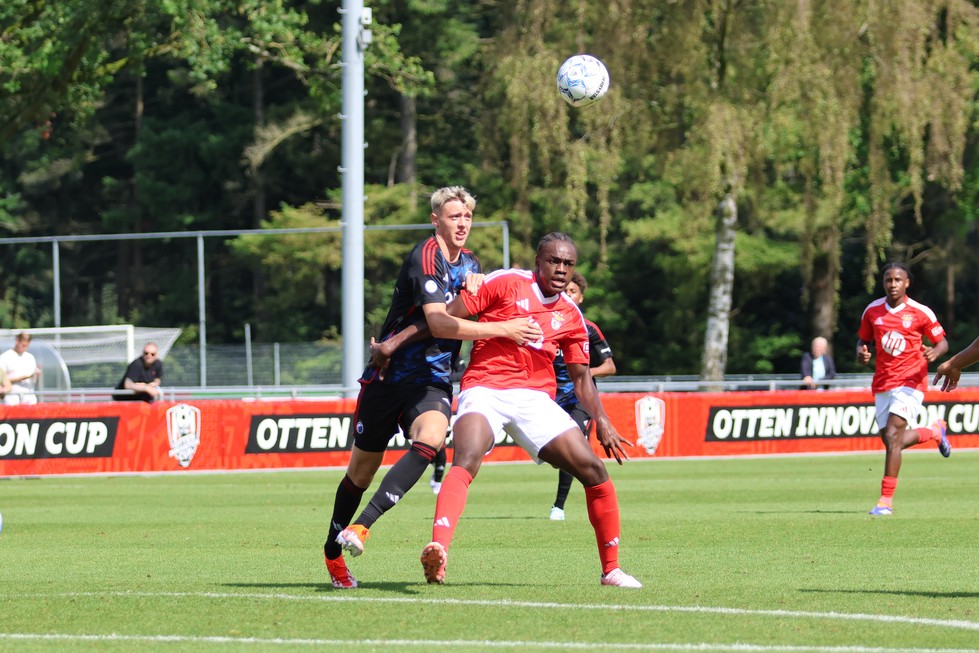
[201,319]
[355,39]
[275,357]
[56,265]
[248,353]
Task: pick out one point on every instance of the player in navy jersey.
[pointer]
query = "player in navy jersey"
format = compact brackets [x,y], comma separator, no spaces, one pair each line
[601,364]
[413,391]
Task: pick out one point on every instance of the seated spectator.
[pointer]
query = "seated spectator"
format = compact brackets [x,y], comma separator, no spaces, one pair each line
[817,364]
[143,376]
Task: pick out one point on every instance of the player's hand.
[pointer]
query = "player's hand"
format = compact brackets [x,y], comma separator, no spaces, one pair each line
[380,356]
[610,439]
[473,281]
[523,330]
[863,354]
[929,354]
[951,375]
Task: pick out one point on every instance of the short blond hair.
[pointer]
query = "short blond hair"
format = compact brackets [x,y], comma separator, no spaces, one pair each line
[444,195]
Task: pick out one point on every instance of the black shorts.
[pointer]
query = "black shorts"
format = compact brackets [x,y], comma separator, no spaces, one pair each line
[383,407]
[580,417]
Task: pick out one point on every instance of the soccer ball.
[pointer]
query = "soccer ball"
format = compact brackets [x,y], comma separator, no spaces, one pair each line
[582,80]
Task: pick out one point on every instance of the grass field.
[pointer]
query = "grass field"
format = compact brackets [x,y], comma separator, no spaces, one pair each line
[767,554]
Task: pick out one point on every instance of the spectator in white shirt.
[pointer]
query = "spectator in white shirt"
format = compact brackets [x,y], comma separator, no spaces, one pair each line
[22,371]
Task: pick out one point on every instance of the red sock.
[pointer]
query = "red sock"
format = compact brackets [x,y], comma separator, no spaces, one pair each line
[927,433]
[603,513]
[887,486]
[450,504]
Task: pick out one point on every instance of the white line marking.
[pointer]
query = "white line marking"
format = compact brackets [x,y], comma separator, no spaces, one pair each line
[505,603]
[591,646]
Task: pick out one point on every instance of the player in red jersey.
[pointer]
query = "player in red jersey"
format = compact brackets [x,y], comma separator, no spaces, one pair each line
[601,364]
[894,325]
[511,386]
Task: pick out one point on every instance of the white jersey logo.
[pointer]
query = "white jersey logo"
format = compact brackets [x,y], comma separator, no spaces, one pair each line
[893,343]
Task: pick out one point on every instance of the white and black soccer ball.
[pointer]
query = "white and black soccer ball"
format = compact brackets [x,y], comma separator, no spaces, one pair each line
[582,80]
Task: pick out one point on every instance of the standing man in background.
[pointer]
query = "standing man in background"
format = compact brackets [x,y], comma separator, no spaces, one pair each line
[22,372]
[894,326]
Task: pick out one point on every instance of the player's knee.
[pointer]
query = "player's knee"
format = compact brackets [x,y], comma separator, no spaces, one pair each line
[592,472]
[434,438]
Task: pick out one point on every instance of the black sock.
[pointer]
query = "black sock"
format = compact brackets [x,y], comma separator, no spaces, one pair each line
[439,463]
[564,481]
[399,479]
[344,506]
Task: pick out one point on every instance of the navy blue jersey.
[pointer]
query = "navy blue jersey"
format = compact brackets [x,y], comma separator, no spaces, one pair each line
[425,278]
[599,352]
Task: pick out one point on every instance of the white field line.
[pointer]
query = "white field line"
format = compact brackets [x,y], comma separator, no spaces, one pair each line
[958,624]
[737,647]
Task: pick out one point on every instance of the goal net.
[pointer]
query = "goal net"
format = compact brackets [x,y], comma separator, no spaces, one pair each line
[116,343]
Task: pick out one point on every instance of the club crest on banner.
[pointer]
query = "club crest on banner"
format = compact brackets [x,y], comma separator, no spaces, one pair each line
[650,422]
[184,431]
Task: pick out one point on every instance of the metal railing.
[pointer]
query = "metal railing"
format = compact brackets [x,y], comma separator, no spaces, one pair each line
[645,384]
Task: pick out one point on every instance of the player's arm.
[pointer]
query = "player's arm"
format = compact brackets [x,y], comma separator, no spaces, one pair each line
[605,368]
[152,389]
[600,347]
[952,368]
[587,393]
[450,321]
[931,354]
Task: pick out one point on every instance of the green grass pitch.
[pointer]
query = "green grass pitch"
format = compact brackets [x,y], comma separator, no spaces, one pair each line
[751,554]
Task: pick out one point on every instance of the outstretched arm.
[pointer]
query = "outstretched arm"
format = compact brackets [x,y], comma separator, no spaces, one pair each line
[448,321]
[587,393]
[952,368]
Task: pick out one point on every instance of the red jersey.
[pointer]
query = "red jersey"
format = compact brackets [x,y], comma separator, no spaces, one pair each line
[898,334]
[501,362]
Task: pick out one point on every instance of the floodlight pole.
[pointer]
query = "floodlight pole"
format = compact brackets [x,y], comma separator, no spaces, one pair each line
[201,310]
[356,35]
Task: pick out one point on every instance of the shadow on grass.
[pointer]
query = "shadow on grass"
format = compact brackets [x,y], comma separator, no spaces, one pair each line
[403,588]
[931,595]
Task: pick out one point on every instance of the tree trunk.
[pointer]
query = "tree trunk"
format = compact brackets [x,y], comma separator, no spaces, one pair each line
[822,285]
[714,360]
[259,285]
[949,321]
[408,170]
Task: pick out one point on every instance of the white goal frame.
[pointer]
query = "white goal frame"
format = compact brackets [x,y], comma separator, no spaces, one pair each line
[68,341]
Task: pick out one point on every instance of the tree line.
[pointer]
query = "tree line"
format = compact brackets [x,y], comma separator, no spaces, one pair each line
[734,195]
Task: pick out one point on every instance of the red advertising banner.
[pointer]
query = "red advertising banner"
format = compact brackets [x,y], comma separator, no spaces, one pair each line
[134,437]
[754,423]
